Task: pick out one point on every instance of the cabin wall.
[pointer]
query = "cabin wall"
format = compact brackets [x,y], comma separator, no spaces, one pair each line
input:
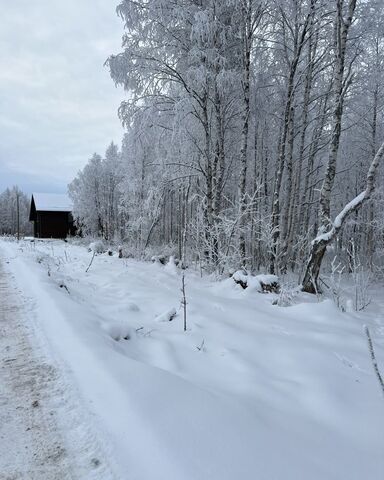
[52,225]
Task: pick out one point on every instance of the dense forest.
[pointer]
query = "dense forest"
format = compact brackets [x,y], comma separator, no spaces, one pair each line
[251,126]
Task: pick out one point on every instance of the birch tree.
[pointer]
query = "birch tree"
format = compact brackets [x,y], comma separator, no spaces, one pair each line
[320,243]
[341,81]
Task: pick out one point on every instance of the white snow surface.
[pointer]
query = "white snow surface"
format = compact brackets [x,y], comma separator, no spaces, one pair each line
[251,390]
[52,202]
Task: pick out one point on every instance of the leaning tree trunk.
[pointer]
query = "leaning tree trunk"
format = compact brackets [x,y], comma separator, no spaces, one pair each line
[319,245]
[340,85]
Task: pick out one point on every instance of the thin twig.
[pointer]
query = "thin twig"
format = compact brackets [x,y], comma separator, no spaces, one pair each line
[90,263]
[184,302]
[201,346]
[373,358]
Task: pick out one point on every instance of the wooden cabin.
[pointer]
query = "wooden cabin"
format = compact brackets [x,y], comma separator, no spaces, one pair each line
[51,214]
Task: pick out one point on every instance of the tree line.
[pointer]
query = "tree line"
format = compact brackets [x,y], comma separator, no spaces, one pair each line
[250,125]
[14,216]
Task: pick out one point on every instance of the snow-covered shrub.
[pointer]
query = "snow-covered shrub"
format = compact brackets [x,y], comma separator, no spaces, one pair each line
[165,259]
[333,284]
[125,252]
[97,247]
[287,295]
[361,280]
[161,259]
[171,265]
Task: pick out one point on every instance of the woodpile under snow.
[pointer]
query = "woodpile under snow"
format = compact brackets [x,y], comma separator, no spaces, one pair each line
[260,283]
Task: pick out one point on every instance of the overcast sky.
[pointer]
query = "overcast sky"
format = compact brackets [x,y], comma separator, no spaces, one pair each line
[58,103]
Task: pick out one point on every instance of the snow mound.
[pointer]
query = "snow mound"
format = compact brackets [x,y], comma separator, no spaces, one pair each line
[260,283]
[118,330]
[160,259]
[241,278]
[132,307]
[171,266]
[167,316]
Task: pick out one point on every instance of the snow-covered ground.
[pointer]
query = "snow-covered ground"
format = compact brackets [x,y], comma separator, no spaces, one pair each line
[251,390]
[44,432]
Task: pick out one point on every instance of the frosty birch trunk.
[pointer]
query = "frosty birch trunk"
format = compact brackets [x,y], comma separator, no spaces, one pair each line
[219,161]
[155,219]
[277,184]
[218,169]
[341,35]
[299,41]
[340,84]
[320,243]
[370,246]
[208,208]
[255,236]
[247,41]
[185,225]
[287,213]
[252,12]
[308,192]
[294,217]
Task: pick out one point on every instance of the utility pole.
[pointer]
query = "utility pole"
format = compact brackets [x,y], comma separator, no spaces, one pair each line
[18,215]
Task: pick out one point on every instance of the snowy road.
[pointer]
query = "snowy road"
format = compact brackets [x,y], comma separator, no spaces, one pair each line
[32,445]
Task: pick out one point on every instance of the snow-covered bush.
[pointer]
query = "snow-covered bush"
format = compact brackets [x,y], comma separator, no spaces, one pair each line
[161,259]
[172,265]
[97,247]
[287,295]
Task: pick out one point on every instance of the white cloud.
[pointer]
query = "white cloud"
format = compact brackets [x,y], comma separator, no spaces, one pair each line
[58,104]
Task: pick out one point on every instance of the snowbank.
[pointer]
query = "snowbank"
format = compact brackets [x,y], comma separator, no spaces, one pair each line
[276,393]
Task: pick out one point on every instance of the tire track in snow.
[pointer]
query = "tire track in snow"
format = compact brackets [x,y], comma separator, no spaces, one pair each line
[33,445]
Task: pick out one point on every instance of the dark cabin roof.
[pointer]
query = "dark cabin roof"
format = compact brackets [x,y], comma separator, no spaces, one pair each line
[49,202]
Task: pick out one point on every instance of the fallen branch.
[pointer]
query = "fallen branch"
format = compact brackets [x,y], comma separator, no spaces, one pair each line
[373,358]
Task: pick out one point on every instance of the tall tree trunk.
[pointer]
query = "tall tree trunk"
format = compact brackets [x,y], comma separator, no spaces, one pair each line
[318,249]
[320,243]
[300,37]
[370,246]
[341,35]
[247,45]
[294,218]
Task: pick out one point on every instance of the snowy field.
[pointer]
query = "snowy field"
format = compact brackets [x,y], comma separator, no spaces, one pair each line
[250,391]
